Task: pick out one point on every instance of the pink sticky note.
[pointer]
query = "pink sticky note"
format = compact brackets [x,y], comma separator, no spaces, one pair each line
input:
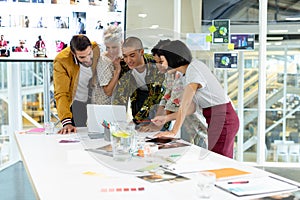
[36,130]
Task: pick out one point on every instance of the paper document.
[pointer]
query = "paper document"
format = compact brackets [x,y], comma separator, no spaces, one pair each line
[255,185]
[228,172]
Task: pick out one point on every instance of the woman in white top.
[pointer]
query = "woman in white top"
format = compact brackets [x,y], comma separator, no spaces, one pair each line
[203,90]
[109,66]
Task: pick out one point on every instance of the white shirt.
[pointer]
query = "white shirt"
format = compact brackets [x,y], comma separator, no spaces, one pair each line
[140,79]
[211,93]
[85,74]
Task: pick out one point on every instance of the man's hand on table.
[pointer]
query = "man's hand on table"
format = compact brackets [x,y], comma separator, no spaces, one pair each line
[69,128]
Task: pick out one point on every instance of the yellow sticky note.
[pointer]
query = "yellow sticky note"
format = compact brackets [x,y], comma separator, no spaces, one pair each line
[90,173]
[230,46]
[208,38]
[212,29]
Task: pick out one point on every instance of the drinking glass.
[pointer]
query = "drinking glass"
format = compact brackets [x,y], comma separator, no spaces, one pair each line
[205,182]
[49,128]
[122,140]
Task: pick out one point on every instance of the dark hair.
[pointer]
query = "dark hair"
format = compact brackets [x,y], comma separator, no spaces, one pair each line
[160,43]
[79,43]
[133,42]
[176,53]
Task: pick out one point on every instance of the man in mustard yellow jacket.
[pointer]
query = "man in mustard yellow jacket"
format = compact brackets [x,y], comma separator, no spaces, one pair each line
[73,76]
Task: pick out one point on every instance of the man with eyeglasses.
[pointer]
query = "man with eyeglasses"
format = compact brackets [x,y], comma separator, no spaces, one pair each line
[73,77]
[142,83]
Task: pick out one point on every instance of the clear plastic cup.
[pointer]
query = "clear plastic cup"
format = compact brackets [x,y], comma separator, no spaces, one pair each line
[49,128]
[205,182]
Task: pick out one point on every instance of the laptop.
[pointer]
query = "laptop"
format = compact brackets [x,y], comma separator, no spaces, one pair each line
[97,113]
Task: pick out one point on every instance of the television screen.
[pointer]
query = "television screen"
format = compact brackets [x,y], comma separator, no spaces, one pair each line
[225,60]
[242,41]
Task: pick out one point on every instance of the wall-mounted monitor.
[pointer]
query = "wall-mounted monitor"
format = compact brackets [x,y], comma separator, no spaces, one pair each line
[242,41]
[225,60]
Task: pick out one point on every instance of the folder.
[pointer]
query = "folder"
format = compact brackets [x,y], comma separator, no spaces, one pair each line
[228,172]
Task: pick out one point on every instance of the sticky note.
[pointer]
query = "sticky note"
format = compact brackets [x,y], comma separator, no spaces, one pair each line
[230,46]
[212,29]
[208,38]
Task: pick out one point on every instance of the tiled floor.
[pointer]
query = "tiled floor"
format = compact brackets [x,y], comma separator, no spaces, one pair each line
[290,173]
[14,183]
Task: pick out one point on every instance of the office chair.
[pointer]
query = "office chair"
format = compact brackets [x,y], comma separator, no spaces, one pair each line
[282,150]
[294,152]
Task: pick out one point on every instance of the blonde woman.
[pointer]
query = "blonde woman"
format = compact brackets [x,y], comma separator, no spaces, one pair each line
[109,66]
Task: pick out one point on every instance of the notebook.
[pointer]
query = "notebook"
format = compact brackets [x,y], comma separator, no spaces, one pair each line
[97,113]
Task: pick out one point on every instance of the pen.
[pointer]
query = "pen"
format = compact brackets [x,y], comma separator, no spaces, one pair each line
[175,155]
[146,120]
[166,167]
[238,182]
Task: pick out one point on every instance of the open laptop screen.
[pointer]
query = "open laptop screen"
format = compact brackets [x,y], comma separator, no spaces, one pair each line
[97,113]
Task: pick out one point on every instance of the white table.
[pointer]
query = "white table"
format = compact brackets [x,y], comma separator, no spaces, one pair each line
[66,171]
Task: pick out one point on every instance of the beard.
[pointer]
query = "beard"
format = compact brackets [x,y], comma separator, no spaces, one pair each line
[87,64]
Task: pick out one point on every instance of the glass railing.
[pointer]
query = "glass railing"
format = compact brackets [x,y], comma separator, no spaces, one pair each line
[26,99]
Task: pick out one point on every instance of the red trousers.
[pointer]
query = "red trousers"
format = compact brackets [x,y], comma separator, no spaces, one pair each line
[223,125]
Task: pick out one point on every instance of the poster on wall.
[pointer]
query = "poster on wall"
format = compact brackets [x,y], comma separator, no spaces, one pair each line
[41,22]
[115,5]
[115,18]
[5,20]
[37,1]
[22,21]
[225,60]
[222,31]
[61,22]
[86,2]
[243,41]
[197,41]
[79,22]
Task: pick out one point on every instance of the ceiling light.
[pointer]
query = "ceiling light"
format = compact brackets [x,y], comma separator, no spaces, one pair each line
[154,26]
[293,18]
[274,38]
[278,31]
[142,15]
[278,43]
[298,30]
